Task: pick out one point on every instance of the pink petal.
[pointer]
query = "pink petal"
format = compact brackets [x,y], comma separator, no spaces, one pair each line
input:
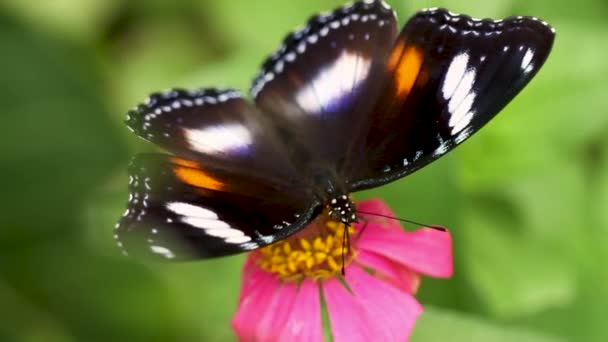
[275,313]
[427,250]
[251,275]
[250,264]
[409,278]
[388,308]
[388,270]
[253,299]
[303,324]
[377,206]
[348,319]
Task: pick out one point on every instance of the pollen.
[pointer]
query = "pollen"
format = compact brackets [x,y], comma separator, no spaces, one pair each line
[316,254]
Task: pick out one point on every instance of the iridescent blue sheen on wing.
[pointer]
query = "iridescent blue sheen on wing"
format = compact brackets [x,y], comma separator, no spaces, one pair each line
[320,86]
[217,126]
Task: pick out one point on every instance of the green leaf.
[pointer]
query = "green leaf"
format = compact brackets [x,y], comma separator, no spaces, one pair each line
[587,10]
[443,325]
[552,204]
[24,315]
[272,20]
[58,147]
[513,274]
[77,19]
[237,72]
[207,293]
[161,51]
[599,197]
[59,142]
[475,8]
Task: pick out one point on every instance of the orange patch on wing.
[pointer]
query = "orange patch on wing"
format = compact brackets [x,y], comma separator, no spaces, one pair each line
[197,177]
[406,63]
[184,162]
[395,57]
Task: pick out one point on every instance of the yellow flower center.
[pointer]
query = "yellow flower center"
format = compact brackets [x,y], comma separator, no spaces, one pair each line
[316,252]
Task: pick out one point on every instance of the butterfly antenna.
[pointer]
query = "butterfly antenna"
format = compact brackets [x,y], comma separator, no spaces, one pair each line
[402,220]
[360,232]
[345,241]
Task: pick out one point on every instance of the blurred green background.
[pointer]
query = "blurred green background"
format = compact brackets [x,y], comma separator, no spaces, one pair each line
[525,198]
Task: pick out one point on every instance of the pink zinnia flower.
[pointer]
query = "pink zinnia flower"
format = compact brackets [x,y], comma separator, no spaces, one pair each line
[285,284]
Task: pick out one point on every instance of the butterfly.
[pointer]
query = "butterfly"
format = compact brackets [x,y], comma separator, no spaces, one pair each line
[347,103]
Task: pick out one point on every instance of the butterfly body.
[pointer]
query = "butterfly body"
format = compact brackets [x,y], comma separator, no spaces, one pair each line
[342,209]
[347,103]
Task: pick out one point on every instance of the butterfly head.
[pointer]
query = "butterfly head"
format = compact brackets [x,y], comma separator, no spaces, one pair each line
[342,209]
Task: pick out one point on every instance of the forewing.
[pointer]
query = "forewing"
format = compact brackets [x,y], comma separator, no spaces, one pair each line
[218,127]
[321,85]
[450,75]
[180,209]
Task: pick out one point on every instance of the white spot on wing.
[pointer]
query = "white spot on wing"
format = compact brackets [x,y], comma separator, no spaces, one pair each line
[463,115]
[163,251]
[203,218]
[458,88]
[455,74]
[463,135]
[218,229]
[190,210]
[462,90]
[238,239]
[526,61]
[330,85]
[206,224]
[219,139]
[442,148]
[249,246]
[266,239]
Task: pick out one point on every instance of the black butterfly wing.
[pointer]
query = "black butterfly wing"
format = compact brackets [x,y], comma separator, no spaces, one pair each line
[450,75]
[217,127]
[180,209]
[321,84]
[230,186]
